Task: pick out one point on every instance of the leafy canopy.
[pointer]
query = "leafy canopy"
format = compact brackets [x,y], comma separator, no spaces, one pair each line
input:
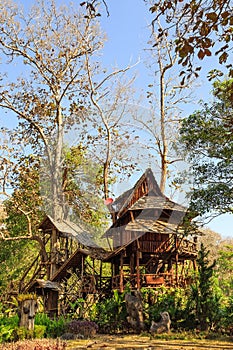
[207,137]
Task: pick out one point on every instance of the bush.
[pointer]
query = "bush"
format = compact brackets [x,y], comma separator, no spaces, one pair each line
[6,333]
[172,300]
[110,314]
[82,327]
[53,328]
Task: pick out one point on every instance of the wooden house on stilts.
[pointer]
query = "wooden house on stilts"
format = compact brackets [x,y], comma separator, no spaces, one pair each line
[149,242]
[149,246]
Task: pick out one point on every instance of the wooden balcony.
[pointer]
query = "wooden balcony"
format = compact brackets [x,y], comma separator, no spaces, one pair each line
[149,281]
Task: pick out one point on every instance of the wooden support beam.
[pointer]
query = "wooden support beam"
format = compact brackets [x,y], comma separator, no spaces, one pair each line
[101,269]
[177,269]
[138,270]
[132,263]
[131,215]
[53,253]
[121,273]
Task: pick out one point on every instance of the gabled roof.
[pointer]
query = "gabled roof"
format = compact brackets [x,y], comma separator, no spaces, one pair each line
[128,198]
[69,229]
[146,195]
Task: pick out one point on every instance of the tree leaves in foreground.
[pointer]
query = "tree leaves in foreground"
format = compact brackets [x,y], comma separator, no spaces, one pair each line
[203,29]
[207,137]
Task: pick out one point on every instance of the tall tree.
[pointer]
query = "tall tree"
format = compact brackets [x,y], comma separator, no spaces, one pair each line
[207,138]
[204,295]
[111,99]
[166,97]
[50,45]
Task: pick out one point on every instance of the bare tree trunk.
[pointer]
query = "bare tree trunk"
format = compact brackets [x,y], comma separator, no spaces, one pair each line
[164,146]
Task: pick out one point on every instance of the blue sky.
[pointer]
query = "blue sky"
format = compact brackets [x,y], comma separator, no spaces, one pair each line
[127,30]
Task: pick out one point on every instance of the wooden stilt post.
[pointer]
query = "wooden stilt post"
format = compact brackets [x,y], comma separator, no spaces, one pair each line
[53,255]
[137,270]
[177,269]
[194,265]
[121,274]
[100,277]
[132,269]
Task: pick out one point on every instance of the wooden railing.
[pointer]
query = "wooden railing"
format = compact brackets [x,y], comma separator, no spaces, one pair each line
[187,246]
[148,280]
[93,283]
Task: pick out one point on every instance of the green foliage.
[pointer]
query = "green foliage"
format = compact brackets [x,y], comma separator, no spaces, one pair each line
[53,328]
[110,314]
[6,333]
[12,321]
[207,138]
[172,300]
[84,196]
[11,332]
[225,268]
[21,333]
[228,319]
[12,266]
[205,293]
[39,331]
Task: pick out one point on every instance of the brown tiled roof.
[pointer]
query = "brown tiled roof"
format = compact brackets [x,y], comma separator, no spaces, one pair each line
[150,225]
[156,202]
[142,225]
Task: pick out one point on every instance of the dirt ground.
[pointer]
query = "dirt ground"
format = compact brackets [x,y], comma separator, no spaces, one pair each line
[135,342]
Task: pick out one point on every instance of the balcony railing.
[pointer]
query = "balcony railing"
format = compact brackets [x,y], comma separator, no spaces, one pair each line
[167,279]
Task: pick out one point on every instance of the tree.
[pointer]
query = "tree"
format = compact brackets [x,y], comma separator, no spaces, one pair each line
[207,138]
[50,44]
[202,29]
[225,267]
[165,96]
[110,98]
[203,292]
[220,250]
[24,214]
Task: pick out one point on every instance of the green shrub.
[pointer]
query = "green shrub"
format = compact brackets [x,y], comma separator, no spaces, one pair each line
[39,331]
[12,321]
[172,300]
[6,332]
[56,328]
[21,333]
[110,314]
[53,328]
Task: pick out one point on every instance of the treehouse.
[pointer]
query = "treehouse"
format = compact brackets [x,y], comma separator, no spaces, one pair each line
[148,239]
[147,248]
[63,272]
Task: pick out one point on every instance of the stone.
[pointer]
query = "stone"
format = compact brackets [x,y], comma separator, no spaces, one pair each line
[134,309]
[163,325]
